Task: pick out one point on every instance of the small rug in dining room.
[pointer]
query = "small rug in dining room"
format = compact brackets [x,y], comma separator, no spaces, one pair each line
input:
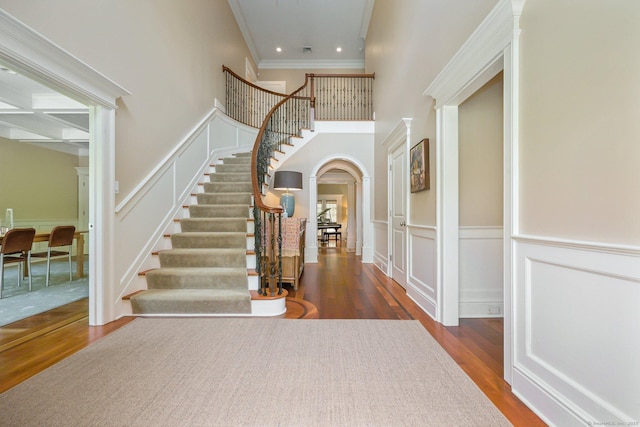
[254,372]
[18,303]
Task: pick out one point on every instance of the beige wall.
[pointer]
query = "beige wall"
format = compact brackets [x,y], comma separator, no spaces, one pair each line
[481,167]
[580,132]
[408,43]
[295,77]
[168,53]
[37,183]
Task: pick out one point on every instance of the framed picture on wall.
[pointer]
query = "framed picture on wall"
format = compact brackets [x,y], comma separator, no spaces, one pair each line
[419,166]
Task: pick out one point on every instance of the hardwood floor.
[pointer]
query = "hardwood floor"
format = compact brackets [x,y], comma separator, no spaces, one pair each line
[339,286]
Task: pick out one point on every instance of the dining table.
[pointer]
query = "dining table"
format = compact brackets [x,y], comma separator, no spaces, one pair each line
[78,236]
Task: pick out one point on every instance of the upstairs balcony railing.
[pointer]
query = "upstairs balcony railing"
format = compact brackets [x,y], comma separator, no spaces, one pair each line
[321,97]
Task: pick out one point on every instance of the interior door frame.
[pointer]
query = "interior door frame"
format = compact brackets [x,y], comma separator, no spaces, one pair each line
[400,136]
[29,53]
[493,47]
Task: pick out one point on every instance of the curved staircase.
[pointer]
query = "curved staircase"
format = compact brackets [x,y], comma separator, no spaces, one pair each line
[206,270]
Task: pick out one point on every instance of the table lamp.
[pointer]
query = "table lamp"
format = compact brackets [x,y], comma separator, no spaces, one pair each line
[288,181]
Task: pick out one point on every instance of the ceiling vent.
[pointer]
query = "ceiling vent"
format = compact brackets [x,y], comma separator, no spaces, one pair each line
[306,49]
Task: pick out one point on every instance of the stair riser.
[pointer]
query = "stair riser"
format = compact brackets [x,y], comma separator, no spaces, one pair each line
[213,224]
[227,187]
[230,177]
[187,281]
[222,168]
[224,199]
[188,240]
[214,211]
[237,161]
[217,306]
[171,259]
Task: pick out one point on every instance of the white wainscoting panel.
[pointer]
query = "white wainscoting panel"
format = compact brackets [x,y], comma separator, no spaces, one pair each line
[194,154]
[577,331]
[381,248]
[421,272]
[481,272]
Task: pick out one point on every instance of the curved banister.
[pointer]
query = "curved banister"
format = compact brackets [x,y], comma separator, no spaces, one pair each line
[278,117]
[230,71]
[257,190]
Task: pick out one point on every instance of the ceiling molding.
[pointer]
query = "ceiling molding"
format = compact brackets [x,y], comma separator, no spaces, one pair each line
[366,18]
[244,29]
[310,64]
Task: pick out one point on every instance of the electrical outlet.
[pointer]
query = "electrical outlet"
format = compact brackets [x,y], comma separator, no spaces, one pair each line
[494,309]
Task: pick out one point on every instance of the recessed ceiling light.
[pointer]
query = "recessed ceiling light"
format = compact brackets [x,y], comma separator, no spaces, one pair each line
[338,49]
[278,49]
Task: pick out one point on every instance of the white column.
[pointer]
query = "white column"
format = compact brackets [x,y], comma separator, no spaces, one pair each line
[351,217]
[311,250]
[101,215]
[447,214]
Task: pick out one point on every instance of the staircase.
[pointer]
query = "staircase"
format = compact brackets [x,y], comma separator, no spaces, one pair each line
[205,271]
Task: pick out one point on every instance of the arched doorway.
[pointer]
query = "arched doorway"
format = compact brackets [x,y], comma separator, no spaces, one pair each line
[359,237]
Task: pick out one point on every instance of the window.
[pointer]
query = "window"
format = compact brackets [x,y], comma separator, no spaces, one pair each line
[333,205]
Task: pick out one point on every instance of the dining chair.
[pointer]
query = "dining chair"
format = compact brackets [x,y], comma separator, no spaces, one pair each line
[60,236]
[16,248]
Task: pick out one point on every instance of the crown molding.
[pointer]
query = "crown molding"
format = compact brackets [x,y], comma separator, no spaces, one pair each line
[244,29]
[366,18]
[311,64]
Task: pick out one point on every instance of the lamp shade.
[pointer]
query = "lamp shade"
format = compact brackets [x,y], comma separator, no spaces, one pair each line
[287,180]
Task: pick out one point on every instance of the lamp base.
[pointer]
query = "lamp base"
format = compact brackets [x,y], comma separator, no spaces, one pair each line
[288,203]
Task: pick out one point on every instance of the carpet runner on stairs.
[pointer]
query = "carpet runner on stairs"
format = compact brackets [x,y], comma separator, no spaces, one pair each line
[205,271]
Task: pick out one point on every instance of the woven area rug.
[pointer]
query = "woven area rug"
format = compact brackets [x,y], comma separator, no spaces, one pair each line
[254,372]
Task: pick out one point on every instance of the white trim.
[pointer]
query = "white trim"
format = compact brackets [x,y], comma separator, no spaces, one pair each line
[29,53]
[310,64]
[398,137]
[579,244]
[366,18]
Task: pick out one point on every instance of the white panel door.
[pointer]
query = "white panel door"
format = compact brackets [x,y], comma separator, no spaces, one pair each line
[398,193]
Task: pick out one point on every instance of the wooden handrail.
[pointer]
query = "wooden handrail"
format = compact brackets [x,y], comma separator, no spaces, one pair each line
[247,82]
[257,191]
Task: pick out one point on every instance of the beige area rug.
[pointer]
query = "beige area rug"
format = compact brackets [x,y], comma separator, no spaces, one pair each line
[254,372]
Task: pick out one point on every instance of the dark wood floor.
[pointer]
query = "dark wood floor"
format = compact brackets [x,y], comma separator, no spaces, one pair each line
[339,286]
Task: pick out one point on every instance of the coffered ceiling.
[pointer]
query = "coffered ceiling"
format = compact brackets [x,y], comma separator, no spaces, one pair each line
[32,113]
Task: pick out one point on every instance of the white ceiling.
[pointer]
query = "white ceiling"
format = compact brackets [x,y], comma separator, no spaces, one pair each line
[322,25]
[32,113]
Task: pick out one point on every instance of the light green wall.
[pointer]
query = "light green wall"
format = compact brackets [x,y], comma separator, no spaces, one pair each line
[336,189]
[37,183]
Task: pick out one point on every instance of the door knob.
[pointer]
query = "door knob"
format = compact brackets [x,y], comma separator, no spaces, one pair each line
[402,224]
